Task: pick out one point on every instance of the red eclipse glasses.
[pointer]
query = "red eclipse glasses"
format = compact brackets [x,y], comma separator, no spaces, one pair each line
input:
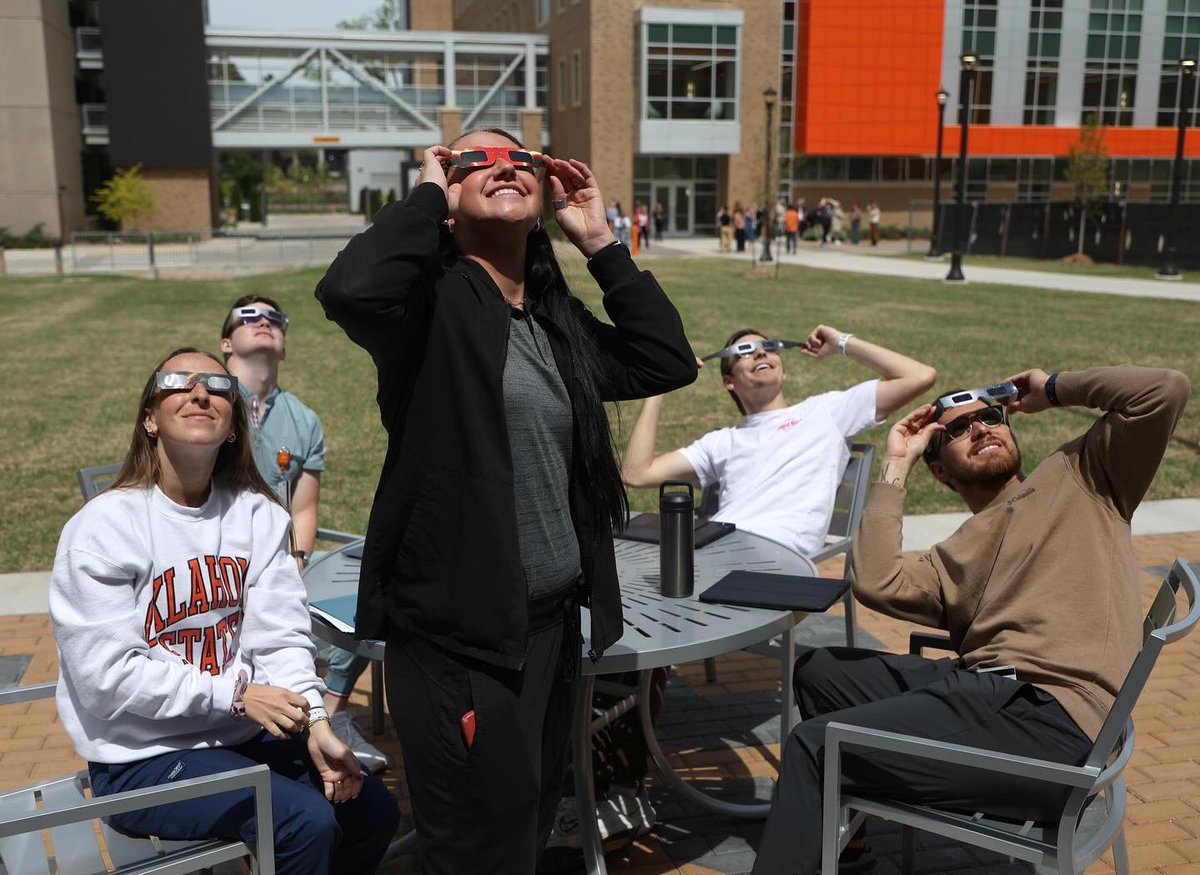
[522,159]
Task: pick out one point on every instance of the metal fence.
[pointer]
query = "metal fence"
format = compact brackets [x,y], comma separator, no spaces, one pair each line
[1115,233]
[113,251]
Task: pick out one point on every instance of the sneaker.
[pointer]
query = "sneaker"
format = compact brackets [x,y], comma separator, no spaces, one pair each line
[347,732]
[623,817]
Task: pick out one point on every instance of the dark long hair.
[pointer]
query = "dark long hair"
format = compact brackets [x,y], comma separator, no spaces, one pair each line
[235,468]
[545,283]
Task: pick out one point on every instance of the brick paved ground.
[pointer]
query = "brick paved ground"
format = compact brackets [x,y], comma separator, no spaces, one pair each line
[721,735]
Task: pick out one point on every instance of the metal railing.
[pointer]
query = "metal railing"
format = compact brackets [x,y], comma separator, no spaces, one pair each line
[152,252]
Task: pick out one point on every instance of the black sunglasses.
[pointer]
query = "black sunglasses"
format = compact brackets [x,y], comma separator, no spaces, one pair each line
[959,428]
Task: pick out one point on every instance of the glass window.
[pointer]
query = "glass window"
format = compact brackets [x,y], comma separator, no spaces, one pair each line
[860,169]
[693,74]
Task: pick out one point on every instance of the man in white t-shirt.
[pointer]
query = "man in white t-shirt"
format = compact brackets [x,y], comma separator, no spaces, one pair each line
[778,469]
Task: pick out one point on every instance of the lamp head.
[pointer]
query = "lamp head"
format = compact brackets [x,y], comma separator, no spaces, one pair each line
[968,61]
[769,96]
[942,96]
[1187,66]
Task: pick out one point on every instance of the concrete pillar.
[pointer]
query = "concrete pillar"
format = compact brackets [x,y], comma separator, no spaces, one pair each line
[531,128]
[450,118]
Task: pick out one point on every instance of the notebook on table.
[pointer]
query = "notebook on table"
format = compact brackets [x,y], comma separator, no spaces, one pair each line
[781,592]
[647,529]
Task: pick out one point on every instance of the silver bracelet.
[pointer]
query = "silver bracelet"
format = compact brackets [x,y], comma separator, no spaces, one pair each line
[316,715]
[842,341]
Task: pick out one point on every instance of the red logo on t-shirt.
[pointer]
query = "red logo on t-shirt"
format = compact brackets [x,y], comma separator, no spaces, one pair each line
[787,426]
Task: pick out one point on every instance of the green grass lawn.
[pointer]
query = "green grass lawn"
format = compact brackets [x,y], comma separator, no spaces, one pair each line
[77,350]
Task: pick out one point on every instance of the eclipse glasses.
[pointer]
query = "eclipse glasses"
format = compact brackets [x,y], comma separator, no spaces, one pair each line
[750,347]
[522,159]
[250,315]
[997,394]
[180,381]
[991,416]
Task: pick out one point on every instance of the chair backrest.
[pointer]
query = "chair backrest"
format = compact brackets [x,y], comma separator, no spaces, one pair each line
[93,481]
[852,492]
[1159,629]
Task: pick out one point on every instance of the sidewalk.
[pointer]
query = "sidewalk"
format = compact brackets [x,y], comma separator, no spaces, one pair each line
[860,259]
[725,735]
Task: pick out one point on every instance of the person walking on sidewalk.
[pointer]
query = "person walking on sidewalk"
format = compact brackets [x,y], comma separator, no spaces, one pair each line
[1038,590]
[183,639]
[494,514]
[289,450]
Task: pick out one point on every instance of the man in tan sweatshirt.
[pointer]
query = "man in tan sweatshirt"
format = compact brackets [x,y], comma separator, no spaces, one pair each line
[1038,591]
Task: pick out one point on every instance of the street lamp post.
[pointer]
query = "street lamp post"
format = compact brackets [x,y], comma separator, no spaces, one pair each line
[966,79]
[1187,78]
[62,232]
[768,205]
[934,251]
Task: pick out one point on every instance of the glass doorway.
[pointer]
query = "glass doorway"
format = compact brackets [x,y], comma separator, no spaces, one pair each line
[676,198]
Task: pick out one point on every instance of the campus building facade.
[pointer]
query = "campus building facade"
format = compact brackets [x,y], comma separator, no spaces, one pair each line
[664,99]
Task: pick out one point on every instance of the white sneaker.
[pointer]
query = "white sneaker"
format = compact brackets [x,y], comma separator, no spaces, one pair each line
[347,732]
[624,816]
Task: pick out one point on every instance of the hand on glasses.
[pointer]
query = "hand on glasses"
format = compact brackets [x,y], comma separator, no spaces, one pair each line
[908,439]
[1031,392]
[578,205]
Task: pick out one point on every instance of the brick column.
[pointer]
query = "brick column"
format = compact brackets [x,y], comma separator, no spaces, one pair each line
[450,118]
[531,128]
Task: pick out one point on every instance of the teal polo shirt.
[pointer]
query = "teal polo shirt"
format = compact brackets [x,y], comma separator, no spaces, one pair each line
[285,422]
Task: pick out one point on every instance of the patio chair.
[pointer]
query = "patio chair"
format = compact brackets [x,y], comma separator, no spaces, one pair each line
[1093,815]
[55,826]
[848,505]
[93,481]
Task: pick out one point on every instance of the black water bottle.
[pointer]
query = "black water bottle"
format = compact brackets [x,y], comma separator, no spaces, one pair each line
[677,540]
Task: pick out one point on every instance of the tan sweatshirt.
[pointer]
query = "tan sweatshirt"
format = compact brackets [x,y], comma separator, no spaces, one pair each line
[1044,577]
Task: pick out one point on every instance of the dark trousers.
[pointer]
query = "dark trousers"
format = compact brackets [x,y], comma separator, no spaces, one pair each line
[933,699]
[312,835]
[487,807]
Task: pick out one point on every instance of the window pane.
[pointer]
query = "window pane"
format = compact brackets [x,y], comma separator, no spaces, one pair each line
[658,33]
[656,78]
[726,36]
[1132,45]
[695,34]
[726,79]
[1095,46]
[986,43]
[860,169]
[1050,45]
[657,109]
[686,109]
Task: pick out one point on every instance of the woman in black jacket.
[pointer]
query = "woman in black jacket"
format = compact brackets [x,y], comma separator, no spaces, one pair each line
[493,516]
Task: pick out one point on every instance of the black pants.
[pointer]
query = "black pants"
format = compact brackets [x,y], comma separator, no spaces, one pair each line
[933,699]
[487,807]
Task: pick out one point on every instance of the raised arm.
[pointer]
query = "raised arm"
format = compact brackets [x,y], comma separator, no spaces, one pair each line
[884,580]
[902,378]
[1120,454]
[641,469]
[369,286]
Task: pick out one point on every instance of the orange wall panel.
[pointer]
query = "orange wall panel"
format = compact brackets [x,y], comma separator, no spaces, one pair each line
[866,75]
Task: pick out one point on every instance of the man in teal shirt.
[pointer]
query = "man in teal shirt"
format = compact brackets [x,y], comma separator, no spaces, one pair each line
[289,451]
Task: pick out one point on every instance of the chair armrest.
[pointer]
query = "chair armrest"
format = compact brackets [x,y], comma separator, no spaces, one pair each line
[336,536]
[17,695]
[257,778]
[833,548]
[917,641]
[841,734]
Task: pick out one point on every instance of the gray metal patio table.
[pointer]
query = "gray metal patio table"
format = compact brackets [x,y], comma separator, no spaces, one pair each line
[659,632]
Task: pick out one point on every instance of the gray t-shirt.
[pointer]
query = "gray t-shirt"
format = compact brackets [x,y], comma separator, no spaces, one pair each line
[537,410]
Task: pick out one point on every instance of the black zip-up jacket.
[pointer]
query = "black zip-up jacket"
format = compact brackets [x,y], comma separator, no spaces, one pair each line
[441,558]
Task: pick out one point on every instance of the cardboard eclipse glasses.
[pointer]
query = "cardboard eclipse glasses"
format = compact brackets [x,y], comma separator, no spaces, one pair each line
[522,159]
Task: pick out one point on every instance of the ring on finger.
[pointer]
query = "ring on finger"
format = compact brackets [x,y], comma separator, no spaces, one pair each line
[559,203]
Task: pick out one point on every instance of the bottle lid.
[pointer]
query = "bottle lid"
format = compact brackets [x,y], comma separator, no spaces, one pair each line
[675,501]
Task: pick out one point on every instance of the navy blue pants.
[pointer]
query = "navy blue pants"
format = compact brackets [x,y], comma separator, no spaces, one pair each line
[312,835]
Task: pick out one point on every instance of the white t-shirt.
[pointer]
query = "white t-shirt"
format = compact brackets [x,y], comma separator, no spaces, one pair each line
[157,608]
[779,471]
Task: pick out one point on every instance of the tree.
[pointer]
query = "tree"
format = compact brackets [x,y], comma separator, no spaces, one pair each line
[1087,171]
[391,15]
[125,198]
